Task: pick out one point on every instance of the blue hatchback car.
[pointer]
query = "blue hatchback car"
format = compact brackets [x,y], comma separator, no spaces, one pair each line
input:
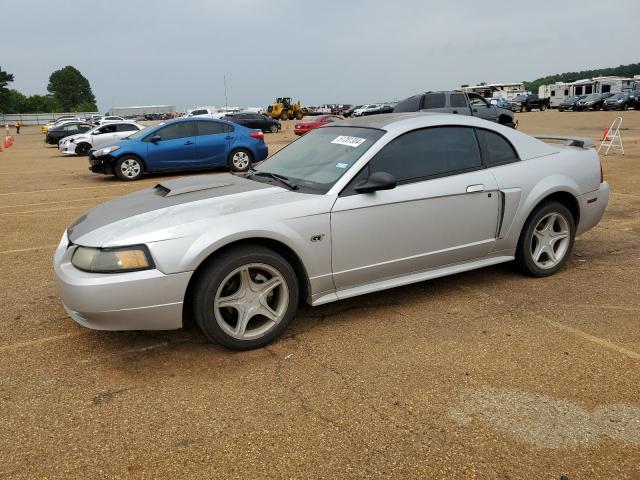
[183,144]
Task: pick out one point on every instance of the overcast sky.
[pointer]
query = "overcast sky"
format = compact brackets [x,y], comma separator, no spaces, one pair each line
[141,52]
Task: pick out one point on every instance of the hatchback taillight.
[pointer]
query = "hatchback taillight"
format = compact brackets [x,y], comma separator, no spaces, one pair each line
[258,135]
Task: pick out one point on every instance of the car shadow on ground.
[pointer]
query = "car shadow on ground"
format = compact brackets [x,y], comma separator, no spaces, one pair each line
[141,345]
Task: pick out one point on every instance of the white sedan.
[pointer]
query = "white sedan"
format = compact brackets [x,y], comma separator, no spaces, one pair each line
[81,143]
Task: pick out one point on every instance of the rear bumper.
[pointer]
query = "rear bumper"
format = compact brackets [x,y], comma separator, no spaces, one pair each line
[592,207]
[146,300]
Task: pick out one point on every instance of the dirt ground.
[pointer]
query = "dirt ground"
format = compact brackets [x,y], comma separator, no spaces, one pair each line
[486,374]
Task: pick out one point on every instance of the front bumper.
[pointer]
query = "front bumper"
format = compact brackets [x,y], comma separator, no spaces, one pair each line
[103,164]
[67,148]
[145,300]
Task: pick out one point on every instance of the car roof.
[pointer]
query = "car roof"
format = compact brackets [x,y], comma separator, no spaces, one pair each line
[399,123]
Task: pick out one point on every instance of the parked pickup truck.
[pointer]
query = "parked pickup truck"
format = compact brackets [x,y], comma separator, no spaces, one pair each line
[457,102]
[524,102]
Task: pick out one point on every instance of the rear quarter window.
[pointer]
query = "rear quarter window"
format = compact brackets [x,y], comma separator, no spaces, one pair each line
[434,100]
[411,104]
[496,150]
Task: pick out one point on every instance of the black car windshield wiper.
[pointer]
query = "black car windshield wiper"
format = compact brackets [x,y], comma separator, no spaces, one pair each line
[275,176]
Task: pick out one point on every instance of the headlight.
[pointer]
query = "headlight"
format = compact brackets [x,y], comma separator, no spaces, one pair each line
[620,101]
[105,151]
[112,260]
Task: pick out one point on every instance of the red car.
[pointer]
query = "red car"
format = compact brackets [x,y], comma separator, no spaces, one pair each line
[309,123]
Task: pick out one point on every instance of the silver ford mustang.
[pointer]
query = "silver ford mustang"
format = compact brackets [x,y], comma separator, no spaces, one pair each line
[350,208]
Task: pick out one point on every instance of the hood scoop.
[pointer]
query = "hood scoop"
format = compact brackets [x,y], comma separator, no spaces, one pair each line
[168,189]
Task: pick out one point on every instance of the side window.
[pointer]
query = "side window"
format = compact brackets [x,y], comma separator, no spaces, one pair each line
[85,128]
[108,129]
[176,130]
[477,100]
[496,149]
[210,128]
[411,104]
[429,152]
[126,127]
[433,100]
[458,100]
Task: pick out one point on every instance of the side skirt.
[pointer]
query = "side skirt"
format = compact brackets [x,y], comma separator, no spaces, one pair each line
[410,278]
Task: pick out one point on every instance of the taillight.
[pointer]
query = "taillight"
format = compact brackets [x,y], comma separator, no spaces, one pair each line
[258,135]
[601,174]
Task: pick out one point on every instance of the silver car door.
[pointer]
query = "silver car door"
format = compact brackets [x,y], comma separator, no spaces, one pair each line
[418,225]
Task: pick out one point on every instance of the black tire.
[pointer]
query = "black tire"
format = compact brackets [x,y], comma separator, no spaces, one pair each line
[543,107]
[524,254]
[240,160]
[210,281]
[284,115]
[83,148]
[273,128]
[298,115]
[129,168]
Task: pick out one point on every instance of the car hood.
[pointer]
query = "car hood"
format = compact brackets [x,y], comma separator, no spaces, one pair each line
[174,208]
[75,137]
[505,111]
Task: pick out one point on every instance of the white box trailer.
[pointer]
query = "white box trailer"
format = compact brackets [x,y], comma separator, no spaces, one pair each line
[560,91]
[141,111]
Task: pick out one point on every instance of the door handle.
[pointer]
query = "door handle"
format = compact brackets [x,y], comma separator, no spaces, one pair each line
[475,188]
[189,142]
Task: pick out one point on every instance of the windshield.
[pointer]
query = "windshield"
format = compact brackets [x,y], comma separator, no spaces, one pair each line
[619,96]
[520,98]
[311,119]
[318,159]
[593,96]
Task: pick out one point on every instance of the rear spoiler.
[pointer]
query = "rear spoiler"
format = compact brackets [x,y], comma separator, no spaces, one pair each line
[581,142]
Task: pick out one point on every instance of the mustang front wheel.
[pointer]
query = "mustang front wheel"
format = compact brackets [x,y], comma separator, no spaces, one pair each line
[546,240]
[246,298]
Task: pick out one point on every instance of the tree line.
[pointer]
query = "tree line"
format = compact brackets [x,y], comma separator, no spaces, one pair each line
[621,71]
[68,91]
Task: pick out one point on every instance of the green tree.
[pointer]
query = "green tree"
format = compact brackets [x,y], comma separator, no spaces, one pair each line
[70,89]
[5,80]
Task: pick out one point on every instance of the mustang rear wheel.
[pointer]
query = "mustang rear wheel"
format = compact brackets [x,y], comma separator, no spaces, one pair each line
[246,298]
[273,128]
[546,240]
[129,169]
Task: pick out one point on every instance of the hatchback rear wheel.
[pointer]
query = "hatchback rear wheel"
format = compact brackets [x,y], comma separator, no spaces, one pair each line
[240,160]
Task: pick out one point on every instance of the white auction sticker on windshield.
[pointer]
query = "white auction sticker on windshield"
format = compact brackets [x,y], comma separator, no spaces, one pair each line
[348,141]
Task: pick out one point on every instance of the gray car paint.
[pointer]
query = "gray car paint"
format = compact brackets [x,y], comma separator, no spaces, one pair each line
[369,241]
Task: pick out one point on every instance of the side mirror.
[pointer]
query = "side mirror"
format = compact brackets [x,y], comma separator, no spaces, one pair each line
[377,181]
[155,138]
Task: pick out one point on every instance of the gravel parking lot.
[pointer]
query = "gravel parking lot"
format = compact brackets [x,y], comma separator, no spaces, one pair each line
[486,374]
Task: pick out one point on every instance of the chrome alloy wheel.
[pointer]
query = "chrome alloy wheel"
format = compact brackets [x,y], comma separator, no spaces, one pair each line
[240,160]
[251,301]
[550,240]
[130,168]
